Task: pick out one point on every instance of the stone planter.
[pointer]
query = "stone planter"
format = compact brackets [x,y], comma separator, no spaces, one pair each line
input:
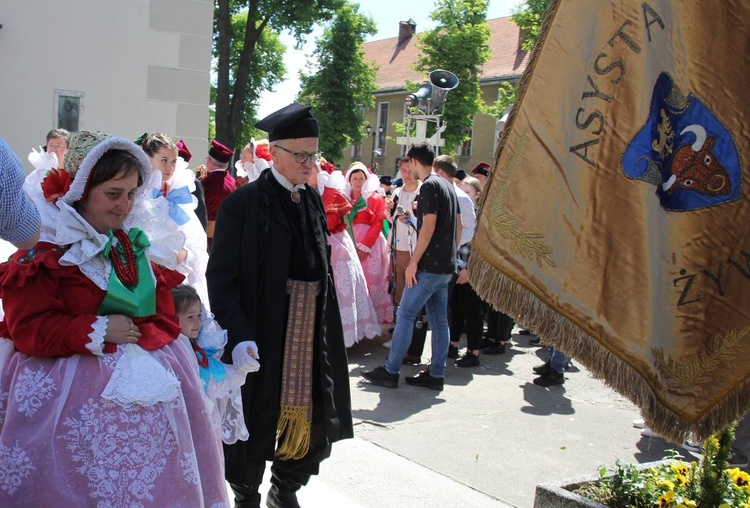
[558,494]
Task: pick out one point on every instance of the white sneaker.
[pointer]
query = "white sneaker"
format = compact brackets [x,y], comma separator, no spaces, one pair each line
[646,432]
[639,423]
[387,344]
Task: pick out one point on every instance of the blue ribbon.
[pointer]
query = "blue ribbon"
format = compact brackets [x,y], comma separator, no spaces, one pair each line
[215,368]
[176,197]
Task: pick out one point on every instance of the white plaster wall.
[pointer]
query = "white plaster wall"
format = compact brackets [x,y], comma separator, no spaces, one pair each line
[143,65]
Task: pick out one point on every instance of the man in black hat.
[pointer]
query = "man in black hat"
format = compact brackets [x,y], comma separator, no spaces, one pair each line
[270,282]
[481,171]
[385,184]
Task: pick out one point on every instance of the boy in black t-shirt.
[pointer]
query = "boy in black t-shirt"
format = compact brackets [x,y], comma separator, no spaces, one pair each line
[428,275]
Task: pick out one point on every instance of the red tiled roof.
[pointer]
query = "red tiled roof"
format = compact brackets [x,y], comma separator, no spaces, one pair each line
[395,61]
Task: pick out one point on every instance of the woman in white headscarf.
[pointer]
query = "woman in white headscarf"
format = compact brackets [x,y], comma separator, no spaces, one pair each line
[366,219]
[358,315]
[100,398]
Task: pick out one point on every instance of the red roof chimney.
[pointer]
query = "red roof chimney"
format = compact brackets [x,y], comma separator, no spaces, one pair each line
[405,30]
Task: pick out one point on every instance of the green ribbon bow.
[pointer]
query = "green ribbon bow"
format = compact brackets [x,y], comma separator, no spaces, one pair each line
[360,204]
[133,301]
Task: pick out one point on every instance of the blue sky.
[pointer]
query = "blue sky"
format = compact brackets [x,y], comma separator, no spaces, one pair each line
[387,15]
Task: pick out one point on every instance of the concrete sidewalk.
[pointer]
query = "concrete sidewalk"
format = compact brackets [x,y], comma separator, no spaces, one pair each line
[486,440]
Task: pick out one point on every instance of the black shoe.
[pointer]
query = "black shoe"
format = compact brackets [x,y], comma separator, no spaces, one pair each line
[495,349]
[542,369]
[411,359]
[468,360]
[524,331]
[381,377]
[486,342]
[278,498]
[551,378]
[426,380]
[535,341]
[452,351]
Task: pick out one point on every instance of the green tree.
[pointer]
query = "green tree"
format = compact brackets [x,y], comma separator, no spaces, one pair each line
[529,16]
[266,71]
[459,44]
[234,79]
[342,81]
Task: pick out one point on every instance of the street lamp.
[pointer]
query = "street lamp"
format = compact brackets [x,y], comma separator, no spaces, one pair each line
[374,151]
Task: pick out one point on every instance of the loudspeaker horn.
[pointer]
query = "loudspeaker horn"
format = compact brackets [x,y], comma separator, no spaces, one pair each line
[423,92]
[443,82]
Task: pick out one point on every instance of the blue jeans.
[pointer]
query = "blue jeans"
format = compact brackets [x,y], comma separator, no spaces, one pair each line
[430,291]
[558,360]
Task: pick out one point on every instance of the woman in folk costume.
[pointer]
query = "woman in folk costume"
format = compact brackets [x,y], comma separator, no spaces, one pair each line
[254,159]
[175,185]
[358,314]
[100,398]
[366,219]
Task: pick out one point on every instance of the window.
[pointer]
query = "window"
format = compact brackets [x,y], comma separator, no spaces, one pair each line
[357,147]
[465,149]
[68,110]
[380,138]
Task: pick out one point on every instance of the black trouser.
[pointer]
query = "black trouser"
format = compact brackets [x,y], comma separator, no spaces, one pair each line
[499,326]
[290,475]
[466,314]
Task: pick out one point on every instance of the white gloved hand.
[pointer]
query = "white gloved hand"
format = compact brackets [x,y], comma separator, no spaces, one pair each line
[245,356]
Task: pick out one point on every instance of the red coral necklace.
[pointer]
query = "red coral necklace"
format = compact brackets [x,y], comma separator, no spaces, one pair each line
[127,272]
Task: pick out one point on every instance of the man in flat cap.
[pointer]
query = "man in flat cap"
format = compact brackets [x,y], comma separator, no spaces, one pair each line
[217,184]
[270,282]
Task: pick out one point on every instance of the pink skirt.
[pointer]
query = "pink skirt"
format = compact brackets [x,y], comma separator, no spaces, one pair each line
[377,273]
[358,315]
[62,444]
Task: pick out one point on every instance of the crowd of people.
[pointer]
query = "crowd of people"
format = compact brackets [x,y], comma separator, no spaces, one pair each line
[168,328]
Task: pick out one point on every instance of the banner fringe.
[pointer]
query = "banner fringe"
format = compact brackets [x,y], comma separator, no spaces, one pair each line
[512,298]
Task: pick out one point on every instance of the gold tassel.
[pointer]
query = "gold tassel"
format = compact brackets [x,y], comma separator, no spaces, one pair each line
[295,430]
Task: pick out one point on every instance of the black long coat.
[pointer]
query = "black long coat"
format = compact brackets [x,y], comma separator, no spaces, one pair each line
[247,274]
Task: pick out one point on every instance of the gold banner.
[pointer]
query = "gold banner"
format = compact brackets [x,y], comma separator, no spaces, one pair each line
[616,222]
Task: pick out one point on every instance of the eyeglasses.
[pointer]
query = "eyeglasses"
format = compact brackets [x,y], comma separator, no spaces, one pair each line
[52,146]
[302,157]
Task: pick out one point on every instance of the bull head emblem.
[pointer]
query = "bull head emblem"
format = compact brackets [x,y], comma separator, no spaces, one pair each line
[696,168]
[689,174]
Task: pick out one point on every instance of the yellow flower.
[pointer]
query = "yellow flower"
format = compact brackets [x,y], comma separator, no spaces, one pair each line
[739,477]
[666,483]
[681,480]
[666,499]
[724,505]
[681,468]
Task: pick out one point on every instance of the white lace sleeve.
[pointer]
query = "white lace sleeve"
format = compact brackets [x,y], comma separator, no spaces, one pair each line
[99,329]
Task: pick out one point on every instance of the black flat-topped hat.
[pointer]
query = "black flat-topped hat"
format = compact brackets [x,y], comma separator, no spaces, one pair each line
[292,121]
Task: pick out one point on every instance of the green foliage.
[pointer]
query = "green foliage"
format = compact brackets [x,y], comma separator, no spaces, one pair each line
[676,483]
[529,16]
[506,97]
[246,62]
[341,82]
[266,71]
[459,44]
